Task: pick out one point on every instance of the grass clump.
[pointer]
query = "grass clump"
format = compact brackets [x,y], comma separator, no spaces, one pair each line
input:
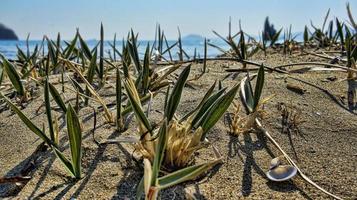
[252,103]
[184,136]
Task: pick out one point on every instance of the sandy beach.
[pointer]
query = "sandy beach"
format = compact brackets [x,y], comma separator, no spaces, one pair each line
[324,147]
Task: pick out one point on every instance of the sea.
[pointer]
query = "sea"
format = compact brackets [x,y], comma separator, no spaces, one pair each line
[9,47]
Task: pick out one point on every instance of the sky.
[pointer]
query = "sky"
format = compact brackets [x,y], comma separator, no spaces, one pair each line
[48,17]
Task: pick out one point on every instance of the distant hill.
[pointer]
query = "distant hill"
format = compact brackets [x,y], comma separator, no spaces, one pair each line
[7,34]
[193,37]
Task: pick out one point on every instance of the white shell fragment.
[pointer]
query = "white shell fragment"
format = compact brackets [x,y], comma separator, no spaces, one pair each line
[281,173]
[275,162]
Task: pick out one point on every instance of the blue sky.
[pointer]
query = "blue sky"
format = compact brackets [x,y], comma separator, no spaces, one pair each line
[47,17]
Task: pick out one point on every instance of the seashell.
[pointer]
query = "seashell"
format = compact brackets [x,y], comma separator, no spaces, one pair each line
[281,173]
[275,162]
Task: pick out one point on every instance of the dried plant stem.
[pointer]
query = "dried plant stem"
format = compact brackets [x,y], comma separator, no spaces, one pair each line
[315,63]
[14,179]
[83,95]
[108,114]
[276,68]
[266,133]
[249,62]
[324,56]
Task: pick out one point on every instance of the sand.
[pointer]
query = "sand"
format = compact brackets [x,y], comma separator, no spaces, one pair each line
[325,148]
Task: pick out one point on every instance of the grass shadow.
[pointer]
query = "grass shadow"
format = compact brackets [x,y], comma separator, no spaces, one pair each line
[287,187]
[331,96]
[26,167]
[98,158]
[248,149]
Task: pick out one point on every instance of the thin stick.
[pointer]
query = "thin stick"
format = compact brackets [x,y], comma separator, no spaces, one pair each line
[315,63]
[291,161]
[324,56]
[265,132]
[108,114]
[83,95]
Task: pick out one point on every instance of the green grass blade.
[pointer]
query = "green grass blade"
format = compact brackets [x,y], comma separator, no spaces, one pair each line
[159,154]
[84,47]
[325,20]
[133,52]
[101,54]
[220,36]
[57,97]
[48,110]
[136,105]
[235,48]
[180,45]
[352,21]
[27,45]
[21,54]
[66,163]
[146,70]
[126,59]
[27,121]
[114,47]
[243,49]
[186,174]
[217,110]
[118,86]
[125,64]
[58,45]
[340,31]
[203,101]
[52,52]
[92,68]
[108,114]
[275,37]
[13,75]
[69,50]
[167,96]
[28,72]
[76,85]
[75,140]
[175,96]
[168,48]
[1,73]
[90,74]
[115,50]
[205,57]
[249,98]
[140,189]
[258,86]
[306,35]
[202,112]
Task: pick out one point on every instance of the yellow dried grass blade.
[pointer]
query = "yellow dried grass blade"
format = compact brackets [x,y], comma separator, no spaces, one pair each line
[108,114]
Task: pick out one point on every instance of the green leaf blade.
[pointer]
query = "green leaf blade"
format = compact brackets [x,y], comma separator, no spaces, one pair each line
[258,87]
[48,110]
[27,121]
[136,105]
[75,140]
[159,154]
[175,96]
[218,109]
[13,75]
[186,174]
[57,97]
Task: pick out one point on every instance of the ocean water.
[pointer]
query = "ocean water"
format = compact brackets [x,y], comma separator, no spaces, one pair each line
[9,48]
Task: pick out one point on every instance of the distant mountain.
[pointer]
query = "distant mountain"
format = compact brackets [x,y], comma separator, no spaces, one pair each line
[7,34]
[193,37]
